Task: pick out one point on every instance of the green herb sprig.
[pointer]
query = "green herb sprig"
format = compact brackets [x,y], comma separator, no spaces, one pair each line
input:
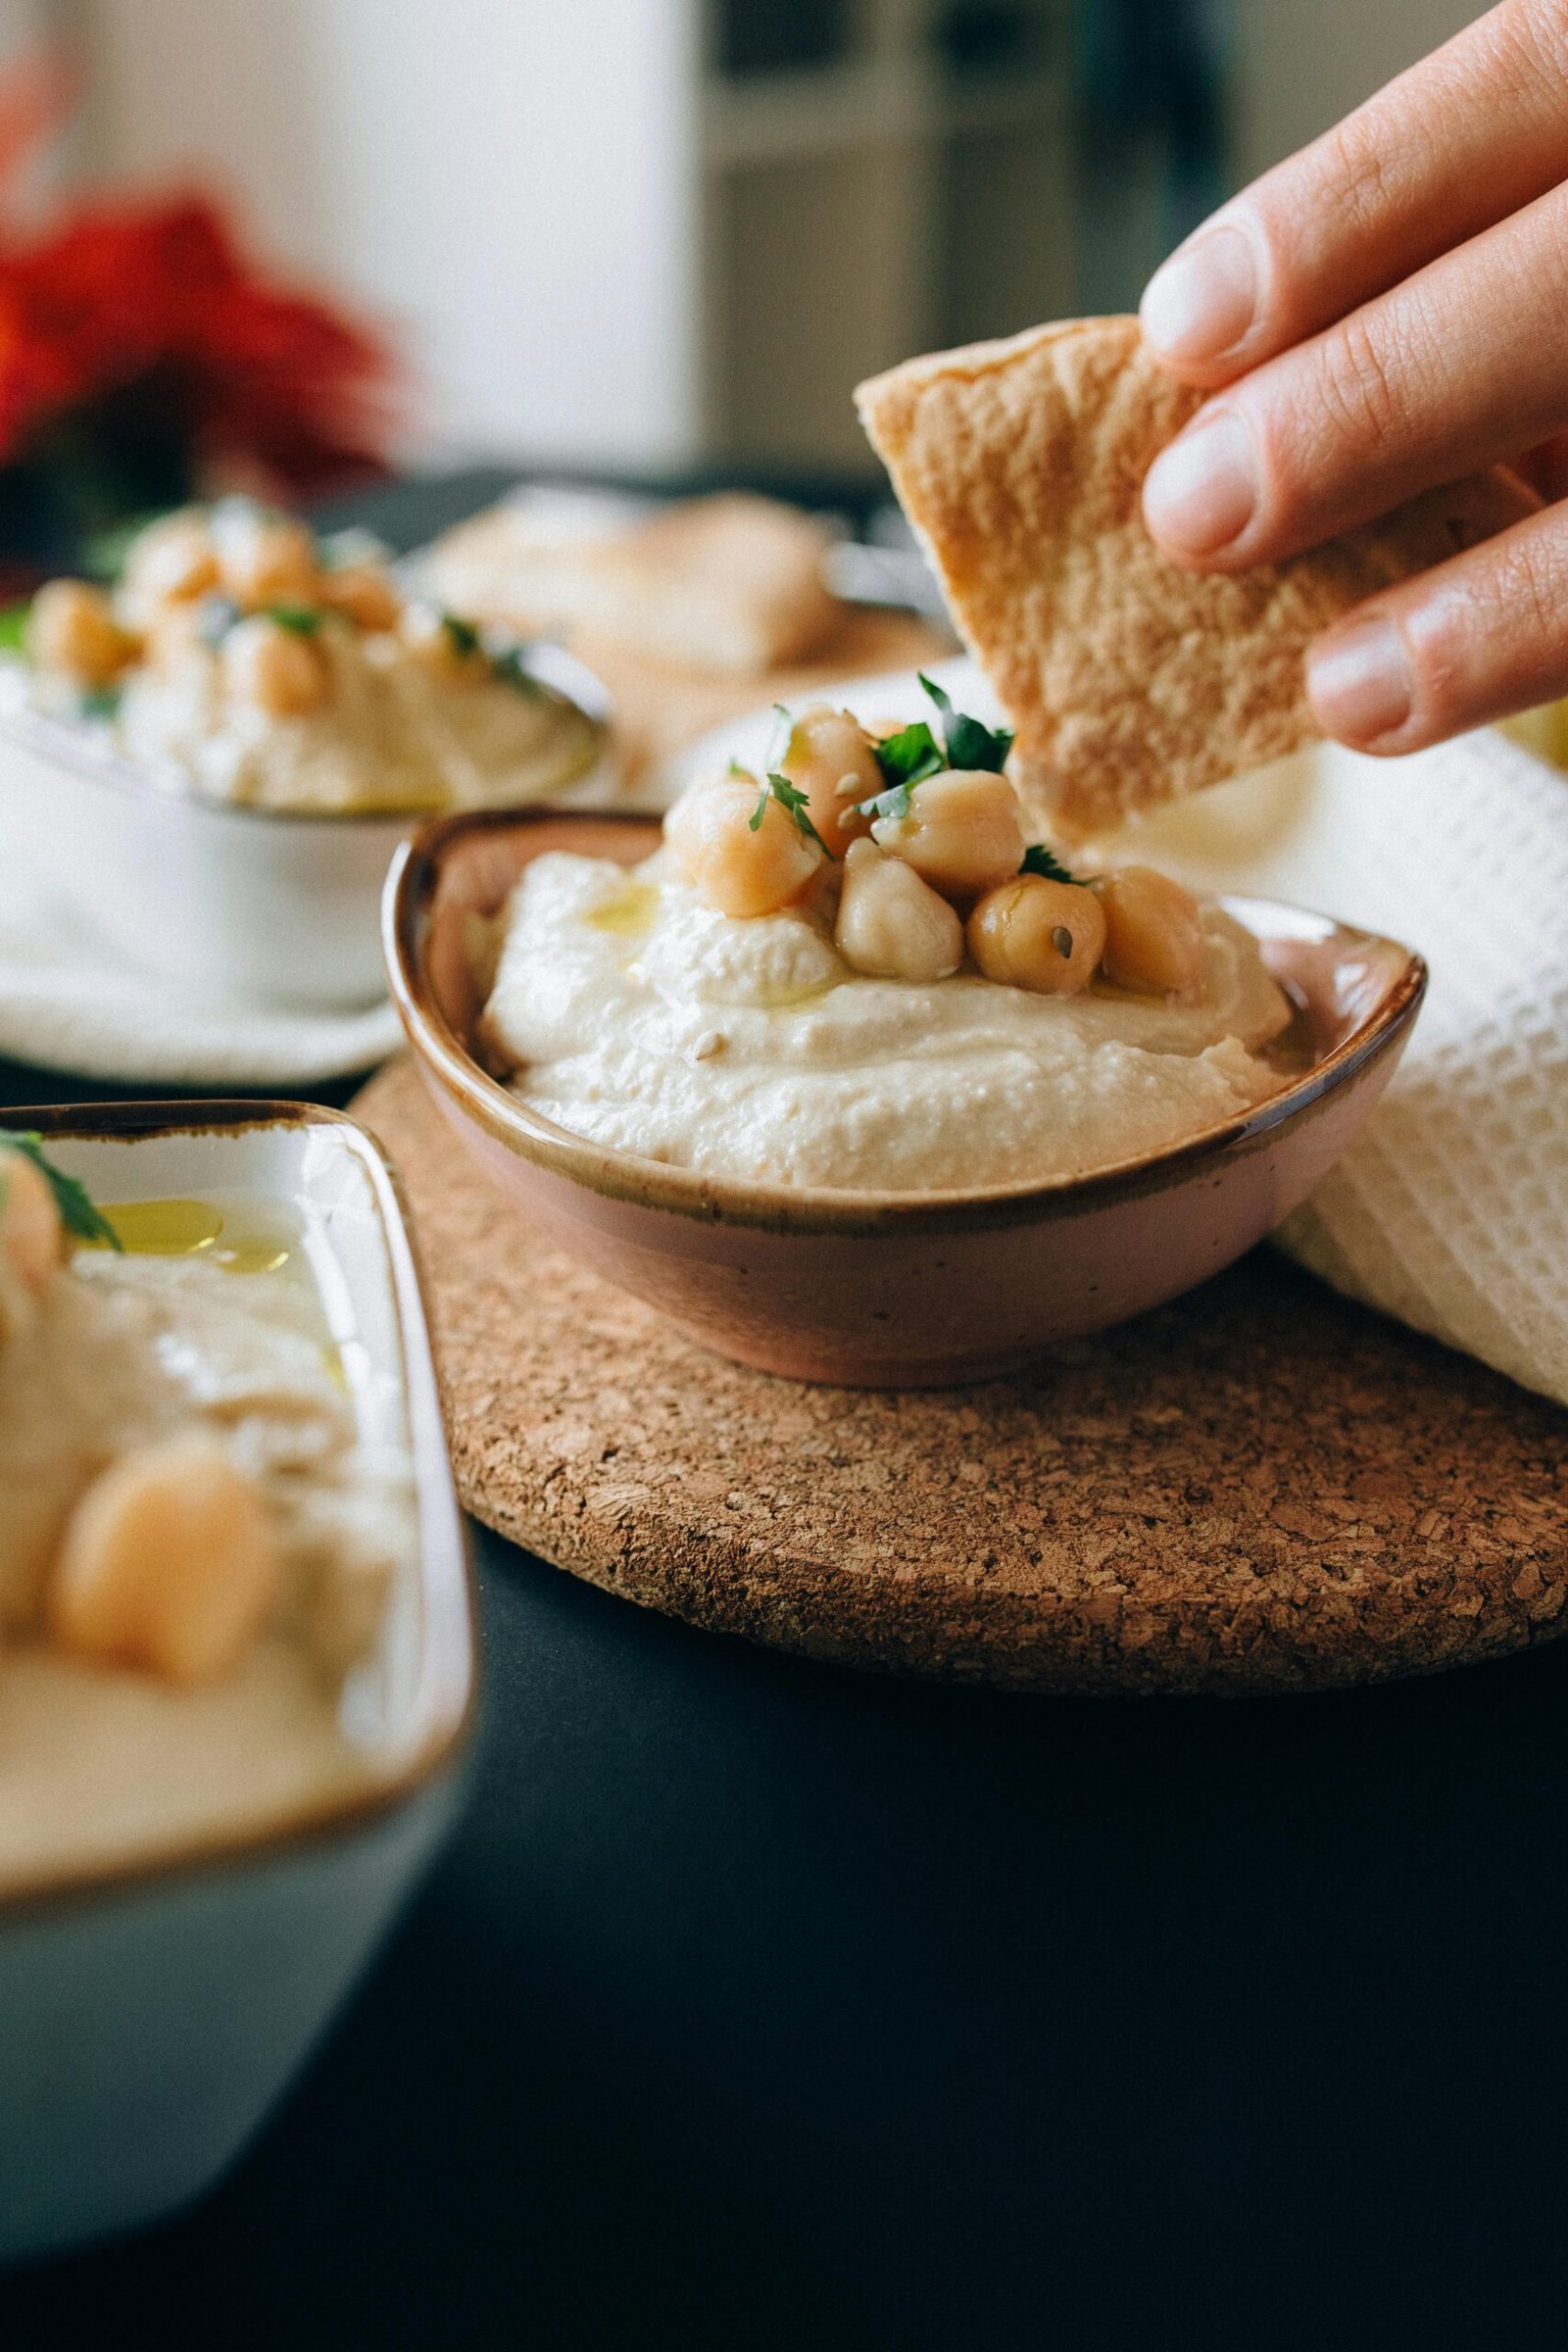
[303,619]
[14,627]
[77,1214]
[1038,860]
[795,806]
[914,754]
[970,742]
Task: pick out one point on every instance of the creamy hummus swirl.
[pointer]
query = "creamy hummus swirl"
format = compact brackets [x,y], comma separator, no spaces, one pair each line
[387,736]
[636,1014]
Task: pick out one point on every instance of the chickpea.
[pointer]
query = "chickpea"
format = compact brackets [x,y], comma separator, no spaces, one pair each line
[830,760]
[739,871]
[961,834]
[173,637]
[32,1234]
[170,562]
[1153,932]
[264,559]
[278,668]
[1039,935]
[891,924]
[364,593]
[448,648]
[71,627]
[168,1563]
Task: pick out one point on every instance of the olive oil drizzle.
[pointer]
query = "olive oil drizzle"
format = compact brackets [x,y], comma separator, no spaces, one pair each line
[629,913]
[177,1228]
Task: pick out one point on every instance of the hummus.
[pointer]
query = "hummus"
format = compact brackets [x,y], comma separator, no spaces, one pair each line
[635,1012]
[119,1353]
[242,657]
[388,734]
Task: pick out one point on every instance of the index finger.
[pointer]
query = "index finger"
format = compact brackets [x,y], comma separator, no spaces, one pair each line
[1449,149]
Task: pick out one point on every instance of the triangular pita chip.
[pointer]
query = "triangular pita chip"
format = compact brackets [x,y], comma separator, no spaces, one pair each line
[1020,465]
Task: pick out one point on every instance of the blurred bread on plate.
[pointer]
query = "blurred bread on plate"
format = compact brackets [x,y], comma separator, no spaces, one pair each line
[729,585]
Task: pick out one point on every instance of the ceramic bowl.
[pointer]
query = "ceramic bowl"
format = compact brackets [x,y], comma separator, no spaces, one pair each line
[157,2000]
[889,1289]
[250,903]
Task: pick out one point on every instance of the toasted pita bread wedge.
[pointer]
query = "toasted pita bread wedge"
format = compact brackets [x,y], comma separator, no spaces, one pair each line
[1130,682]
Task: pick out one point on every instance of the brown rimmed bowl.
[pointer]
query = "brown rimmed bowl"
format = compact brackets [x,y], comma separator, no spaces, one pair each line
[898,1290]
[160,1988]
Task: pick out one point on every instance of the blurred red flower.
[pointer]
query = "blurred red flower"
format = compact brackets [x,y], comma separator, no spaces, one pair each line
[158,295]
[145,357]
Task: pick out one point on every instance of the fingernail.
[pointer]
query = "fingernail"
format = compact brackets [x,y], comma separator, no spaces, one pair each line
[1200,304]
[1199,493]
[1360,683]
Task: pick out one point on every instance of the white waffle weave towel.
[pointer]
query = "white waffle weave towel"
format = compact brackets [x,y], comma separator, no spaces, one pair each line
[1450,1211]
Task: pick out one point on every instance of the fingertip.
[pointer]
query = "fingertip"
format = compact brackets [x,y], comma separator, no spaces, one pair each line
[1202,304]
[1201,492]
[1360,683]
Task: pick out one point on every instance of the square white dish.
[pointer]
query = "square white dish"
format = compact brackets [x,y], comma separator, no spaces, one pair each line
[159,1994]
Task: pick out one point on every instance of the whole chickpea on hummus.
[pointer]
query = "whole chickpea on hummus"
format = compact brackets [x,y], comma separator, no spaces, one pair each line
[854,972]
[242,657]
[196,1548]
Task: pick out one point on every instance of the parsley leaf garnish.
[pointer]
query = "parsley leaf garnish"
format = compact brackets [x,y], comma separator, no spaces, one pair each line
[14,627]
[910,756]
[907,758]
[970,744]
[464,635]
[77,1211]
[1038,860]
[303,619]
[793,802]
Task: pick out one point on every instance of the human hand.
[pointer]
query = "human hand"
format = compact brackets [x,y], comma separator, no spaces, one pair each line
[1387,310]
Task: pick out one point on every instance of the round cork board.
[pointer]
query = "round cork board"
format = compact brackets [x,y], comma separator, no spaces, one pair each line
[1260,1487]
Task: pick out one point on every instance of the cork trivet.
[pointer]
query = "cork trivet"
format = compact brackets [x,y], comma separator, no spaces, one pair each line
[1260,1487]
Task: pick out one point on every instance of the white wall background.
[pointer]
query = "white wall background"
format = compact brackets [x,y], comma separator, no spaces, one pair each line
[509,182]
[513,184]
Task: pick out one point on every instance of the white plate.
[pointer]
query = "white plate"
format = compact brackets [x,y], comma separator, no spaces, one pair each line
[151,935]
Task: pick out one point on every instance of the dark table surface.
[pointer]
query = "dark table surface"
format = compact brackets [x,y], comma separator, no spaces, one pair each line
[760,2004]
